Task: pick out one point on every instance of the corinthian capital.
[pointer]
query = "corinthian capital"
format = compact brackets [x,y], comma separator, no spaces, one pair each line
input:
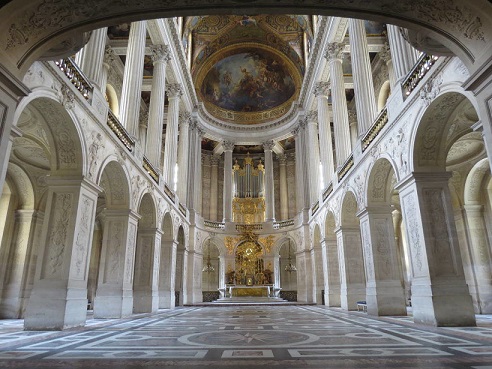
[268,145]
[228,145]
[174,90]
[334,51]
[321,89]
[160,53]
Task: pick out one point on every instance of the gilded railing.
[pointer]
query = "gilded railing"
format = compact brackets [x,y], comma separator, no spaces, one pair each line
[373,132]
[120,131]
[169,193]
[76,77]
[147,165]
[328,191]
[283,224]
[418,72]
[349,163]
[182,209]
[215,225]
[249,227]
[315,208]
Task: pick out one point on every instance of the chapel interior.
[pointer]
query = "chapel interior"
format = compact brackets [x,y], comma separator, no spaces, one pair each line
[245,157]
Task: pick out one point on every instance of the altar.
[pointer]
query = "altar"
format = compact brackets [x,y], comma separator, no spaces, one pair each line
[250,291]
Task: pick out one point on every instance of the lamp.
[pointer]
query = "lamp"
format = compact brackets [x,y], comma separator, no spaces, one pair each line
[209,268]
[290,267]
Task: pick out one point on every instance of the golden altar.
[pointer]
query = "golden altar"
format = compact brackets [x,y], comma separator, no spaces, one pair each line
[249,291]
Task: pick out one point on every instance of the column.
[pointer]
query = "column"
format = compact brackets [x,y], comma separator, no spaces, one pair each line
[343,147]
[183,148]
[167,274]
[352,282]
[132,78]
[19,256]
[384,290]
[353,127]
[191,168]
[305,275]
[228,147]
[365,100]
[108,59]
[146,277]
[160,56]
[385,55]
[284,197]
[404,56]
[214,186]
[59,296]
[269,195]
[92,55]
[302,177]
[438,277]
[325,139]
[198,165]
[174,93]
[313,157]
[114,295]
[480,258]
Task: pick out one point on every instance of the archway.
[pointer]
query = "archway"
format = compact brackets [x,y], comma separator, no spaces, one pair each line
[167,265]
[319,256]
[384,277]
[288,270]
[210,271]
[332,292]
[181,269]
[352,274]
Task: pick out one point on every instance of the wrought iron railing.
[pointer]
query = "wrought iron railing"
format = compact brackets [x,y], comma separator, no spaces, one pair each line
[120,131]
[76,77]
[418,72]
[376,128]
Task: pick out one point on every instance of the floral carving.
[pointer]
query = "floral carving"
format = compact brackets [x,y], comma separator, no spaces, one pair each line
[58,235]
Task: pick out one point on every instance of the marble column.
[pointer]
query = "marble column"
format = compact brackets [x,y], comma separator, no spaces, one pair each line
[480,258]
[325,139]
[167,274]
[191,168]
[343,147]
[302,177]
[269,193]
[108,59]
[183,148]
[320,272]
[438,277]
[305,276]
[198,168]
[284,197]
[228,147]
[15,281]
[353,127]
[59,296]
[92,55]
[160,56]
[174,93]
[313,157]
[214,186]
[352,281]
[132,78]
[404,56]
[384,290]
[365,100]
[114,294]
[146,277]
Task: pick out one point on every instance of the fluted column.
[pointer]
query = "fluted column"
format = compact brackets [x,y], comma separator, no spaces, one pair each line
[404,56]
[108,59]
[269,196]
[160,57]
[385,55]
[214,186]
[183,147]
[302,179]
[284,198]
[343,147]
[198,170]
[171,146]
[193,171]
[313,157]
[91,56]
[325,139]
[132,78]
[365,100]
[228,147]
[352,114]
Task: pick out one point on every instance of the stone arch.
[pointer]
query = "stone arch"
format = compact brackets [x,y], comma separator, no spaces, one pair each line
[21,181]
[348,210]
[474,184]
[447,118]
[114,179]
[32,31]
[381,180]
[211,269]
[285,250]
[181,278]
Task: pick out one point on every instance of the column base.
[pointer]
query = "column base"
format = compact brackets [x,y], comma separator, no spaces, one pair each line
[145,301]
[352,294]
[119,304]
[51,309]
[386,299]
[167,299]
[442,304]
[332,298]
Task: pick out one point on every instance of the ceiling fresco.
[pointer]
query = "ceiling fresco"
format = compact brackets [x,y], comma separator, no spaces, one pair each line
[247,69]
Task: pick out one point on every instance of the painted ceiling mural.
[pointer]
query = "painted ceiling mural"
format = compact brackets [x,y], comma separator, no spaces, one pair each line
[247,69]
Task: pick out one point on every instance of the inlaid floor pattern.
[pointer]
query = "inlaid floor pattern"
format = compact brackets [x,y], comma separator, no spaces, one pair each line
[249,337]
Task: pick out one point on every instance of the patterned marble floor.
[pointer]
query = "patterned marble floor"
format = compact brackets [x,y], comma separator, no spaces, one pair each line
[249,337]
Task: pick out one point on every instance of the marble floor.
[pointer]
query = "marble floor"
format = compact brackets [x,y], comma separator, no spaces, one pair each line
[249,337]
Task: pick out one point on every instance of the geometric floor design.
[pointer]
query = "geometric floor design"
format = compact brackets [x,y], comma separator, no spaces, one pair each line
[249,337]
